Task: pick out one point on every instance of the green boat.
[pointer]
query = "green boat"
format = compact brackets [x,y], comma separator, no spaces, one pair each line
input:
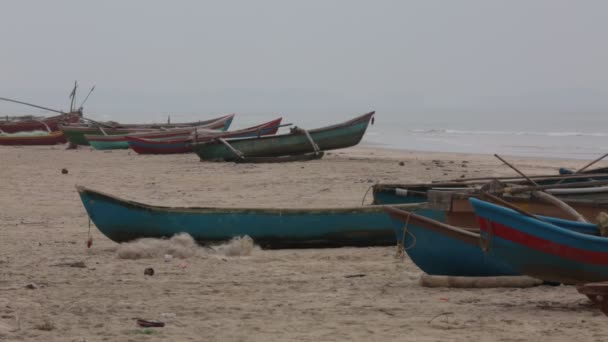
[76,134]
[296,142]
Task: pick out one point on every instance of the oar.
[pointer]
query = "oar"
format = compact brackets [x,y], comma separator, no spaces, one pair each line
[31,105]
[516,170]
[548,198]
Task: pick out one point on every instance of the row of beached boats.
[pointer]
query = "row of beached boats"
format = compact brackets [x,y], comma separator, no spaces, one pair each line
[544,226]
[210,139]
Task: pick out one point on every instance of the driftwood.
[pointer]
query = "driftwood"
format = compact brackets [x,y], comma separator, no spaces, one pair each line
[478,282]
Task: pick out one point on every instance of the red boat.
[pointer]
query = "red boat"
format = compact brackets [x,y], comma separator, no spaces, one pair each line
[52,123]
[51,138]
[183,144]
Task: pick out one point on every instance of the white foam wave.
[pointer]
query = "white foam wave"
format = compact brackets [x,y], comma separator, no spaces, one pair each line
[442,131]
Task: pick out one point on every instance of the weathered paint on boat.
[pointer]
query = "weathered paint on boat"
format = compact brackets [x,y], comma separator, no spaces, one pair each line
[439,249]
[123,220]
[540,249]
[342,135]
[76,134]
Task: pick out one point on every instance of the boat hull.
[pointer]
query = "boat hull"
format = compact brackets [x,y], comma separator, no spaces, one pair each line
[539,249]
[329,138]
[123,221]
[441,250]
[53,138]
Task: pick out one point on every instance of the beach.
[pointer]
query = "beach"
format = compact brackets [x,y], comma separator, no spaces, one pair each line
[54,288]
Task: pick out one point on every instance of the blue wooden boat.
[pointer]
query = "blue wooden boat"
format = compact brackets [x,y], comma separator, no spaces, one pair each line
[441,249]
[542,249]
[123,220]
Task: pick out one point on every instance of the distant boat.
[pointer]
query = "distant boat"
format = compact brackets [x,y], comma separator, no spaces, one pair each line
[33,138]
[76,134]
[147,144]
[541,249]
[297,142]
[26,124]
[123,220]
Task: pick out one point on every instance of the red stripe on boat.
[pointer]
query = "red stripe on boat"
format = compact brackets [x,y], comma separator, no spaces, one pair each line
[543,245]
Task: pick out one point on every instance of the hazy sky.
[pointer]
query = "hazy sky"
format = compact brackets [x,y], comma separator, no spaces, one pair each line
[298,57]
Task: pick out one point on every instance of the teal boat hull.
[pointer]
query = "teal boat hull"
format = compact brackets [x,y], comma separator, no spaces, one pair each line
[109,145]
[122,221]
[338,136]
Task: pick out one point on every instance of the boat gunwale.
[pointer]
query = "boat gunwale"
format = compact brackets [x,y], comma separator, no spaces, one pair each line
[82,190]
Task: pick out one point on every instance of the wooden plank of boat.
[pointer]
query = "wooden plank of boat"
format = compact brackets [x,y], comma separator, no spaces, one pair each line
[123,220]
[337,136]
[281,159]
[540,249]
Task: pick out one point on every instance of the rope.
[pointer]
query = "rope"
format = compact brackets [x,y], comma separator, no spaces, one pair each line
[401,248]
[366,192]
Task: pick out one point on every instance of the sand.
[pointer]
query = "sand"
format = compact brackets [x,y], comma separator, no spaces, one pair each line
[343,294]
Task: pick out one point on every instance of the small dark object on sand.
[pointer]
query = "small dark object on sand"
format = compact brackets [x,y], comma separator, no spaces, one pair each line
[149,271]
[150,324]
[64,171]
[401,163]
[360,275]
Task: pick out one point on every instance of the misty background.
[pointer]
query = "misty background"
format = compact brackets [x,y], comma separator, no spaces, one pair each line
[468,65]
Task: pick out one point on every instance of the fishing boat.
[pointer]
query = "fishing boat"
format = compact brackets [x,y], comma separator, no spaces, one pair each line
[147,144]
[15,125]
[296,142]
[76,134]
[541,249]
[438,248]
[441,249]
[124,220]
[32,138]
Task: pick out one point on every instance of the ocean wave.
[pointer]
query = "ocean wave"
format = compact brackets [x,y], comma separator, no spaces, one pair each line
[442,131]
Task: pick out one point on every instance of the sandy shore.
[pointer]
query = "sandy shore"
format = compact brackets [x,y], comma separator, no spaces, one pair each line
[282,295]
